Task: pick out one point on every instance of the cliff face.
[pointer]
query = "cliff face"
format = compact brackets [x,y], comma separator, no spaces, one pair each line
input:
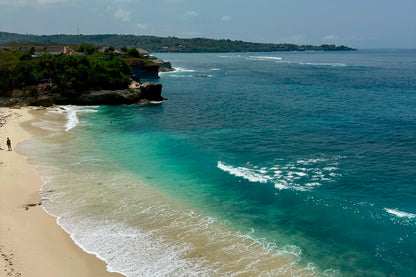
[164,66]
[143,69]
[141,93]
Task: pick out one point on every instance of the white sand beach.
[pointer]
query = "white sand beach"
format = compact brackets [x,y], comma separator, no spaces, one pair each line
[31,242]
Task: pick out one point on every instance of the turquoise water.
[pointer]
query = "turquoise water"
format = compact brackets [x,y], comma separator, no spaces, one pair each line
[273,163]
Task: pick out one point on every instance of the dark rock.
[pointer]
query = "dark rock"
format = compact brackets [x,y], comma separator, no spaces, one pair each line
[151,91]
[148,91]
[44,101]
[143,69]
[164,66]
[141,92]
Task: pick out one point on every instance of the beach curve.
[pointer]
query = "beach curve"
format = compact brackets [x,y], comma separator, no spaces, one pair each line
[31,242]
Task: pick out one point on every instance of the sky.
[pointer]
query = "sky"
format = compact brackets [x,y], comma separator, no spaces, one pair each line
[355,23]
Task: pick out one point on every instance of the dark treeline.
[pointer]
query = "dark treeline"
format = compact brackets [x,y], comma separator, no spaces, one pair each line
[167,44]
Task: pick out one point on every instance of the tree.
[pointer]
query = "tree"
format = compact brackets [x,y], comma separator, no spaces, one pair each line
[133,53]
[109,50]
[87,48]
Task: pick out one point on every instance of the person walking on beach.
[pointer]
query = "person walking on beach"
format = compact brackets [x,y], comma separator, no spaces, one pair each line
[9,144]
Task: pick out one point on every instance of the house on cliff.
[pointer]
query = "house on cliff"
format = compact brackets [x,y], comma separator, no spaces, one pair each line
[108,49]
[38,50]
[59,50]
[143,52]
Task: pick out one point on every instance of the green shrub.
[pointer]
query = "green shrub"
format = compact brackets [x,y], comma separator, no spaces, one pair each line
[68,73]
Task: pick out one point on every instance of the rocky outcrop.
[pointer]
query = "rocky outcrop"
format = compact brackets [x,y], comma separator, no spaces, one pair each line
[164,66]
[148,69]
[143,69]
[141,93]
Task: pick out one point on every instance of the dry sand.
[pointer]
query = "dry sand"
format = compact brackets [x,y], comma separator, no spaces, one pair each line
[31,242]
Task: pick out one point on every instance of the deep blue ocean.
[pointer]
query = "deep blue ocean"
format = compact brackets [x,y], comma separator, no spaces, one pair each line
[311,152]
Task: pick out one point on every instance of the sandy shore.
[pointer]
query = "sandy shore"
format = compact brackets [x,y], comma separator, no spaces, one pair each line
[31,242]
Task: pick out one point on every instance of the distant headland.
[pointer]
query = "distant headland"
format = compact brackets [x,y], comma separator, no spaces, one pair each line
[44,75]
[101,69]
[167,44]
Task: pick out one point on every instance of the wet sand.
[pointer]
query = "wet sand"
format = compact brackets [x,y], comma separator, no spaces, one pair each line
[31,242]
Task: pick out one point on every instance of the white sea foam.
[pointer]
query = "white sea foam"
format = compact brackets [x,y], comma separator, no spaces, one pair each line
[304,175]
[138,253]
[313,184]
[72,119]
[180,76]
[311,161]
[324,64]
[398,213]
[313,63]
[181,69]
[231,56]
[72,115]
[265,58]
[243,172]
[69,113]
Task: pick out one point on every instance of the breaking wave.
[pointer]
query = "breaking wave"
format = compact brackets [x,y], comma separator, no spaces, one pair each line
[401,214]
[302,175]
[265,58]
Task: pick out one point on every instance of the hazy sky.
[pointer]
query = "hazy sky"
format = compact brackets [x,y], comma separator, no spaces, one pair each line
[356,23]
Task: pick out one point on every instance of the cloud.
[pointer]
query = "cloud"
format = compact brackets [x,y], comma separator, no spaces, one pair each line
[141,26]
[123,15]
[226,18]
[32,3]
[192,13]
[47,2]
[329,38]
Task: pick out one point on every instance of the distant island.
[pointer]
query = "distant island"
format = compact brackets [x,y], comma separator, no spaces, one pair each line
[155,44]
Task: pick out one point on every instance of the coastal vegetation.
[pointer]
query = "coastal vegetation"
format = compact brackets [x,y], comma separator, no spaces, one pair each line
[44,75]
[167,44]
[67,73]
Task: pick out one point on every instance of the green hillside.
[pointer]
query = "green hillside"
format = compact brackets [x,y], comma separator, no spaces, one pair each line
[165,44]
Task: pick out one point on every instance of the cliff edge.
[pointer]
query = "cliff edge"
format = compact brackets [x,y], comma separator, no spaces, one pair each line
[140,93]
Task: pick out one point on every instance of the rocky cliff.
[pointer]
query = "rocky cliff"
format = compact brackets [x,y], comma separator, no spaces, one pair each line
[140,93]
[143,69]
[164,66]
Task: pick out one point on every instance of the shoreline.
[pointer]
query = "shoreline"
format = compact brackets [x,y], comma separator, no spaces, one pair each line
[31,241]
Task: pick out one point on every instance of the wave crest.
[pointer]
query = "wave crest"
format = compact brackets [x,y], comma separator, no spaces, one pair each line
[243,172]
[401,214]
[303,175]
